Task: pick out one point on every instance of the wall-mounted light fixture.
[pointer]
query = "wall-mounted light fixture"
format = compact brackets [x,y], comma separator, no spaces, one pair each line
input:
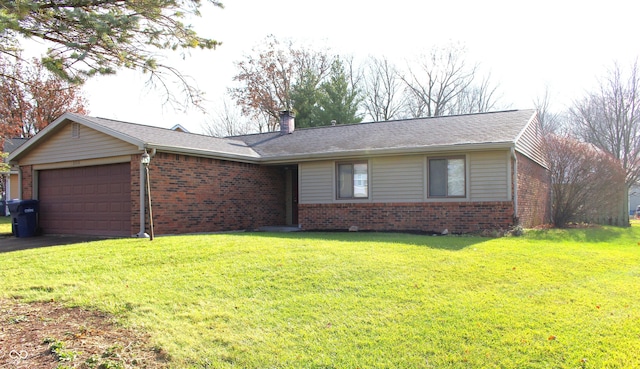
[145,159]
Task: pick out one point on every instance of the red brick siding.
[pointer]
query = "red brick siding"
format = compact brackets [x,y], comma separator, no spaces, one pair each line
[27,182]
[534,194]
[191,194]
[457,217]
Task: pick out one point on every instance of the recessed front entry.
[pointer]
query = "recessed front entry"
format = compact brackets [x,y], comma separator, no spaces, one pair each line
[291,182]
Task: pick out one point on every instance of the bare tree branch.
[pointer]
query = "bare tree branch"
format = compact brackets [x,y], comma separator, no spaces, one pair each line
[443,83]
[587,183]
[609,118]
[229,121]
[383,99]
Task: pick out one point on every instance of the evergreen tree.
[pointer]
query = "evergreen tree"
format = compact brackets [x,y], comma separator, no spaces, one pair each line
[305,99]
[88,38]
[338,98]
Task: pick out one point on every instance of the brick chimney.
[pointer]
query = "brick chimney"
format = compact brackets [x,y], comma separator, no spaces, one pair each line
[287,122]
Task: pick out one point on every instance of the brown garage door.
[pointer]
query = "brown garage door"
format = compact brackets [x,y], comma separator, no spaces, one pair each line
[87,200]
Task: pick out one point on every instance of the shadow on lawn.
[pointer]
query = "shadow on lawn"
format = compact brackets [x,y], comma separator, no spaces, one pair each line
[449,242]
[10,243]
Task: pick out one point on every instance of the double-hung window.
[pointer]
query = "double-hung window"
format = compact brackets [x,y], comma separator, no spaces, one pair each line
[353,180]
[447,177]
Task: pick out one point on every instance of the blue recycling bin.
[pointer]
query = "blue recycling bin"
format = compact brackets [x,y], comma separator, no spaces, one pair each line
[24,217]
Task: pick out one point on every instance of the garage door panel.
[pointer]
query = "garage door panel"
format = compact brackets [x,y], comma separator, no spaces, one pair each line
[88,200]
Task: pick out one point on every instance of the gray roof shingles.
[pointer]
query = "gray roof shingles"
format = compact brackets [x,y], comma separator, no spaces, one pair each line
[11,144]
[403,135]
[155,136]
[418,134]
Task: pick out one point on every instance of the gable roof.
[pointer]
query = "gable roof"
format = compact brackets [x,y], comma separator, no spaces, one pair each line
[178,127]
[149,137]
[11,144]
[462,132]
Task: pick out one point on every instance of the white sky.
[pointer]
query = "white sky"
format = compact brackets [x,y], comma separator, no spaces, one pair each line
[563,44]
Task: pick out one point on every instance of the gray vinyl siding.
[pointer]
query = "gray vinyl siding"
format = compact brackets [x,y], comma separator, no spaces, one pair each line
[316,182]
[397,179]
[402,179]
[529,142]
[489,176]
[90,144]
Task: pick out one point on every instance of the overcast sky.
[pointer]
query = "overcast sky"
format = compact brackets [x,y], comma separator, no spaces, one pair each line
[563,44]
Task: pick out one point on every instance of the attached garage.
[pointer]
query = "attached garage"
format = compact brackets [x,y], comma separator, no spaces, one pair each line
[93,200]
[88,176]
[83,179]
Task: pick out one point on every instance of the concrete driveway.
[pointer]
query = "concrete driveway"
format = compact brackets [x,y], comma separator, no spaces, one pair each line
[10,243]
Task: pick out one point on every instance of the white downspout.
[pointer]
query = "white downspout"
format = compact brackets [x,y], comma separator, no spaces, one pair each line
[143,194]
[515,182]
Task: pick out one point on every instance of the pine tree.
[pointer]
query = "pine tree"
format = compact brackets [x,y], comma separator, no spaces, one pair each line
[88,37]
[338,99]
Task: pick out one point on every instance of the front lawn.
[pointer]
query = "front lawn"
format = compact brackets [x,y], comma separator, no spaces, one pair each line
[5,225]
[550,299]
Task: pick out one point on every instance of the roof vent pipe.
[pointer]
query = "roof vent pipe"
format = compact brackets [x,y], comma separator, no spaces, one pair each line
[333,123]
[287,122]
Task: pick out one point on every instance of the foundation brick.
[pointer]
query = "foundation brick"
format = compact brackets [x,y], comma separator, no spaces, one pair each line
[457,217]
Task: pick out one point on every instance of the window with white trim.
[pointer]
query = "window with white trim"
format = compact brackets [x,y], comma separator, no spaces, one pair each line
[353,180]
[447,177]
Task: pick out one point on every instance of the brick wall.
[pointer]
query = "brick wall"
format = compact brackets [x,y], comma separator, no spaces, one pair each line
[191,194]
[457,217]
[534,193]
[27,182]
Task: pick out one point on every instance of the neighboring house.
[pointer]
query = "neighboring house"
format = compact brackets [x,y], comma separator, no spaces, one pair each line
[461,173]
[634,200]
[10,188]
[179,128]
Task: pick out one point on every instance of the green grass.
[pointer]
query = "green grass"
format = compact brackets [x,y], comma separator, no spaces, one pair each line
[550,299]
[5,225]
